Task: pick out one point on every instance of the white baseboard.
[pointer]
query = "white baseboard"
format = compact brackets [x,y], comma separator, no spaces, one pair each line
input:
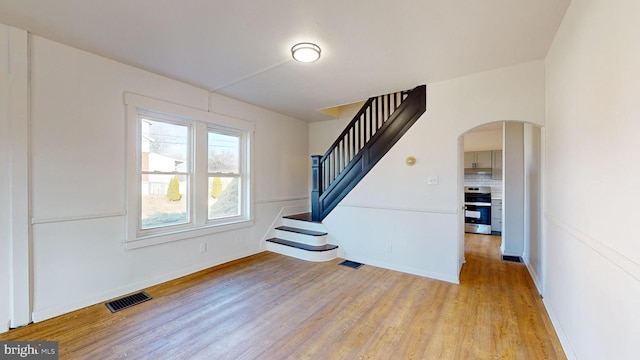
[564,340]
[534,276]
[408,270]
[53,311]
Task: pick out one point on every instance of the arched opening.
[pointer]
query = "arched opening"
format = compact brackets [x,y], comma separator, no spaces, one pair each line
[504,159]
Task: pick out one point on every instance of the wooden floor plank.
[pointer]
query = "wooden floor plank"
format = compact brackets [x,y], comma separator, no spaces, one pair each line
[269,306]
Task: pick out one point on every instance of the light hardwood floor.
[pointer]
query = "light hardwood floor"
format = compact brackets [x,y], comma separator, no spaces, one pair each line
[269,306]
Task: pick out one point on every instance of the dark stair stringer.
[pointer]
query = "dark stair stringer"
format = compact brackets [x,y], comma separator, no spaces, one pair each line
[368,137]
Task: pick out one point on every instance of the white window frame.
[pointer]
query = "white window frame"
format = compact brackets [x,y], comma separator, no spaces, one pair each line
[200,122]
[242,171]
[189,172]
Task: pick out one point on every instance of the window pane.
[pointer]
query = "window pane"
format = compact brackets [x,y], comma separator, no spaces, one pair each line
[224,197]
[224,153]
[164,146]
[164,200]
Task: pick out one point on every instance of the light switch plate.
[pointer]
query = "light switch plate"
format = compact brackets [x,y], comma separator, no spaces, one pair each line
[432,180]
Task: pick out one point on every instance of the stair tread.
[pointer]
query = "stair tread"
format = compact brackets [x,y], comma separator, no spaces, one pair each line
[302,246]
[301,231]
[301,217]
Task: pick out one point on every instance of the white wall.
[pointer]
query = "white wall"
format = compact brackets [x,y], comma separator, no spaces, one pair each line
[592,252]
[77,189]
[280,156]
[533,251]
[323,133]
[5,243]
[394,208]
[483,140]
[513,206]
[14,161]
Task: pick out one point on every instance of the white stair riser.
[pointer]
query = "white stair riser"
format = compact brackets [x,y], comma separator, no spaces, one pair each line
[302,238]
[315,256]
[304,225]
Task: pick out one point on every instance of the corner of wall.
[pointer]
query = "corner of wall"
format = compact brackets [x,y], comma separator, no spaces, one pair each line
[557,326]
[5,327]
[534,275]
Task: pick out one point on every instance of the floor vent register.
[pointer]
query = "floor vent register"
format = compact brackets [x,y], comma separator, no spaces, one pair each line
[511,258]
[127,301]
[351,264]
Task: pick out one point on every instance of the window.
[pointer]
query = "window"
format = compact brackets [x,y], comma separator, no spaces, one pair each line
[224,174]
[165,173]
[187,172]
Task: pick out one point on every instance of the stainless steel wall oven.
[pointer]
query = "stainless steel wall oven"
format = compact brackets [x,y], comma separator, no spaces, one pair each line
[477,213]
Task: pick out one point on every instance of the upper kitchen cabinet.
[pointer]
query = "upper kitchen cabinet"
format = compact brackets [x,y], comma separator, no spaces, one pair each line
[478,160]
[496,164]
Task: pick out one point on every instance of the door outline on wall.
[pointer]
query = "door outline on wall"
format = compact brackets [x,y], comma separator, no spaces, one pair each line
[461,206]
[532,203]
[17,227]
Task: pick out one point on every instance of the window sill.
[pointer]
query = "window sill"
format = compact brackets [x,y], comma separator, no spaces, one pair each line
[157,239]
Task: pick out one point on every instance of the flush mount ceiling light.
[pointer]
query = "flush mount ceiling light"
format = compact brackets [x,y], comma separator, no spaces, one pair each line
[305,52]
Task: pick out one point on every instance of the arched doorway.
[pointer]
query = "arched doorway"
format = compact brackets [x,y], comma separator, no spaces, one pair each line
[516,187]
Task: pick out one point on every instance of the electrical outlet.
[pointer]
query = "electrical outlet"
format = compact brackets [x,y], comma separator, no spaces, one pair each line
[389,248]
[203,247]
[432,180]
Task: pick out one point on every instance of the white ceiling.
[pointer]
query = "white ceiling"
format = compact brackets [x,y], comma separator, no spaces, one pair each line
[241,48]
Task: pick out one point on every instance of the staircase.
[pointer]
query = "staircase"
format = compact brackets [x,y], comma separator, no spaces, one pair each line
[377,126]
[302,238]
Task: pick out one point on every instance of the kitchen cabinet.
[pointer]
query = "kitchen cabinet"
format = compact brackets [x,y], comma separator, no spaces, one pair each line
[469,159]
[496,215]
[496,164]
[478,160]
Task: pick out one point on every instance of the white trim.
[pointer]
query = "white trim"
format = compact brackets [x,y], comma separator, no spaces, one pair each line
[543,224]
[533,275]
[50,312]
[156,105]
[35,221]
[19,179]
[624,263]
[562,336]
[404,269]
[201,122]
[279,220]
[420,210]
[183,234]
[508,253]
[271,232]
[314,256]
[268,201]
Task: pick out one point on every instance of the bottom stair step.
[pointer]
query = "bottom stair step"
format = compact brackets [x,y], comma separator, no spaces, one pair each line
[302,246]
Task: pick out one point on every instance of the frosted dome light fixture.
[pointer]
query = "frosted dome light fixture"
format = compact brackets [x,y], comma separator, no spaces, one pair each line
[305,52]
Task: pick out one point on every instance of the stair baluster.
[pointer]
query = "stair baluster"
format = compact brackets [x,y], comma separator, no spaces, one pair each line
[378,125]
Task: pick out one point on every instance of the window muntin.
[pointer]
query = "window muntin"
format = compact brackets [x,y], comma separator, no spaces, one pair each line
[224,174]
[164,173]
[195,179]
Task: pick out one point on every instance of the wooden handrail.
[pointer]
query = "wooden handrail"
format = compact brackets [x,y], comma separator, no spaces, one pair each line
[378,125]
[367,121]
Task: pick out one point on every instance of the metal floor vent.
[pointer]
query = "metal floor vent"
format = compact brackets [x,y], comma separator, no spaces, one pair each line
[127,301]
[511,258]
[351,264]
